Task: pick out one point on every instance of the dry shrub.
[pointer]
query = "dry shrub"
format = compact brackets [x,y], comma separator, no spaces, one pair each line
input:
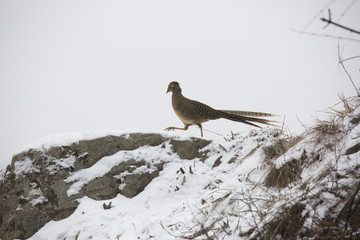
[350,214]
[327,229]
[235,158]
[279,147]
[333,126]
[283,176]
[327,127]
[285,225]
[348,107]
[275,150]
[327,132]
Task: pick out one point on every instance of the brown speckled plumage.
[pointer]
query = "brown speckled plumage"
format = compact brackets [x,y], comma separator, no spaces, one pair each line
[193,112]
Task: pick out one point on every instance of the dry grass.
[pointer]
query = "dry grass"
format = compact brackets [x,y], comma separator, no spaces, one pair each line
[327,127]
[280,147]
[283,176]
[285,225]
[290,171]
[325,229]
[348,107]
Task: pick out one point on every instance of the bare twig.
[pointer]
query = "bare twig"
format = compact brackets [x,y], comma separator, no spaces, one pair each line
[350,58]
[329,22]
[325,35]
[283,124]
[167,230]
[349,203]
[346,9]
[302,124]
[213,132]
[347,73]
[315,17]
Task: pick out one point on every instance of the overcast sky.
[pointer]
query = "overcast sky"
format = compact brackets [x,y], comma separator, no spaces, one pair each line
[70,66]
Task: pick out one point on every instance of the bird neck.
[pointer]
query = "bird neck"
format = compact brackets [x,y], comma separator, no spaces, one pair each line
[177,98]
[177,94]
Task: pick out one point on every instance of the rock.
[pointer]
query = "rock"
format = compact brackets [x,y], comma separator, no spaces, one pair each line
[353,149]
[189,149]
[34,191]
[355,119]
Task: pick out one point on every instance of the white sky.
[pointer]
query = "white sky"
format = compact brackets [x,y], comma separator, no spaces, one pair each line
[83,65]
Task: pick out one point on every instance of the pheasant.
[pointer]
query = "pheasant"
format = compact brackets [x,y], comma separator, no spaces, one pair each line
[192,112]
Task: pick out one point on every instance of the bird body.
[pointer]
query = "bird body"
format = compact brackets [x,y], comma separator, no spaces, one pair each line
[192,112]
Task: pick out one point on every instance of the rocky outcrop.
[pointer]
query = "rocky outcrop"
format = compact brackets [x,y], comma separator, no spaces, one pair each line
[44,184]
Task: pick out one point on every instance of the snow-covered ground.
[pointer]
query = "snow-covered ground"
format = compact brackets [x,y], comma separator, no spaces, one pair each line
[169,203]
[223,197]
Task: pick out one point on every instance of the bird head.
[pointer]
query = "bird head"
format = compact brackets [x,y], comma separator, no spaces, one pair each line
[173,87]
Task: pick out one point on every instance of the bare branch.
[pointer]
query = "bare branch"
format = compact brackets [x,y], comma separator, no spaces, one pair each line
[346,10]
[350,58]
[329,21]
[325,35]
[348,74]
[316,16]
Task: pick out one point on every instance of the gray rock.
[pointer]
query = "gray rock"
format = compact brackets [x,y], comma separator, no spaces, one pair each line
[353,149]
[190,149]
[21,216]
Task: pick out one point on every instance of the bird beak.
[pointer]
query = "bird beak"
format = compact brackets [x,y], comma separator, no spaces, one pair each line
[167,90]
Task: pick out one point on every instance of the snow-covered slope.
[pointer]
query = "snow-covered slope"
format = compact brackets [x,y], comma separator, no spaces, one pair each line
[258,184]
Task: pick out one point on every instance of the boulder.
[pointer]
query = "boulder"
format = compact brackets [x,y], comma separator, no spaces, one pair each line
[35,188]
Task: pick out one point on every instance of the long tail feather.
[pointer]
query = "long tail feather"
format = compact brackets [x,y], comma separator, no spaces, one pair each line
[246,119]
[249,114]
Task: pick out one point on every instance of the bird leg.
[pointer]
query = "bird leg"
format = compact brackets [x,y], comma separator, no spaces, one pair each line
[173,128]
[201,129]
[185,128]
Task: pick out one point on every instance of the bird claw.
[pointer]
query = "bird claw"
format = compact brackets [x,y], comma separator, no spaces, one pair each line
[169,129]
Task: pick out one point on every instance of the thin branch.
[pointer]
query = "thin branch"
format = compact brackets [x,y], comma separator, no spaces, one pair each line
[329,22]
[324,35]
[301,123]
[316,16]
[350,58]
[349,203]
[346,10]
[348,74]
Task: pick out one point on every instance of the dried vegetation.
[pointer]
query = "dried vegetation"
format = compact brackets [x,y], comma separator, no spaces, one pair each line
[325,205]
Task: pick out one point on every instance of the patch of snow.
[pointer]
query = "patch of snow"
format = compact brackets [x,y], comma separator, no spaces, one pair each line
[37,197]
[151,155]
[65,139]
[25,166]
[62,163]
[2,174]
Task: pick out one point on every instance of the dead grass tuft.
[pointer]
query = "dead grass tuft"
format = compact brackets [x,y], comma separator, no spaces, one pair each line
[283,176]
[327,127]
[275,150]
[287,224]
[348,107]
[325,229]
[280,147]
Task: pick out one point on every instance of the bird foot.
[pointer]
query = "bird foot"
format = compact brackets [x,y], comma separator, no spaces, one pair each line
[170,128]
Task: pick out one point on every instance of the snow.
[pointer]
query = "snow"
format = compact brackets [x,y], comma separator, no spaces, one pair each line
[61,163]
[65,139]
[25,166]
[151,155]
[177,204]
[37,197]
